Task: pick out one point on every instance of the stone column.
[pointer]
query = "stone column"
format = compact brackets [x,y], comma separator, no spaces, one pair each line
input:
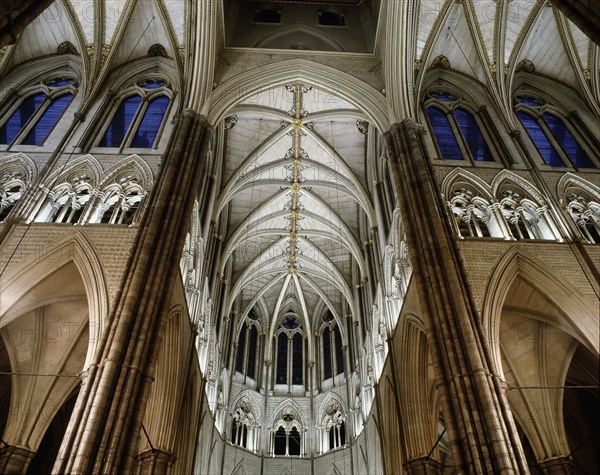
[481,432]
[15,460]
[105,426]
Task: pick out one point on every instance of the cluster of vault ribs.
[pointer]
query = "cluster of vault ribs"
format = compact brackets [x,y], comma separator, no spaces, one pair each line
[296,155]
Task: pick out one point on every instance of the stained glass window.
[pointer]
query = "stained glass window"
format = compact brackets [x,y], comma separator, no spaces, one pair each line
[20,117]
[153,117]
[565,138]
[42,128]
[547,151]
[444,135]
[472,135]
[549,126]
[115,133]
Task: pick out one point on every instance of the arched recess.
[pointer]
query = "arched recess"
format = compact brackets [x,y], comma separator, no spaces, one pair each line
[535,325]
[18,280]
[415,383]
[392,451]
[300,35]
[334,81]
[52,312]
[577,315]
[162,416]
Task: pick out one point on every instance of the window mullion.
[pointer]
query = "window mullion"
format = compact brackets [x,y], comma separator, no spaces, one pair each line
[552,139]
[460,139]
[32,121]
[135,123]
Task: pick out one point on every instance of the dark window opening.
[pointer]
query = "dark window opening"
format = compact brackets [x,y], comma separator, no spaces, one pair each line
[267,15]
[280,441]
[239,360]
[331,18]
[339,352]
[252,351]
[297,347]
[294,442]
[326,338]
[282,360]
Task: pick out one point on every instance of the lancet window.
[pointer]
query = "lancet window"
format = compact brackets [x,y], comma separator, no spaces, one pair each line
[554,137]
[289,360]
[457,131]
[247,359]
[332,353]
[31,118]
[139,117]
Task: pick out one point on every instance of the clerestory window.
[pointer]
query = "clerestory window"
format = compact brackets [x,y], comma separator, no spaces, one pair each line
[32,118]
[246,361]
[290,352]
[139,117]
[332,353]
[552,136]
[456,130]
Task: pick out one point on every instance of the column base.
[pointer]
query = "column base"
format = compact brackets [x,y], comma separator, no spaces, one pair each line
[558,466]
[155,462]
[15,460]
[422,466]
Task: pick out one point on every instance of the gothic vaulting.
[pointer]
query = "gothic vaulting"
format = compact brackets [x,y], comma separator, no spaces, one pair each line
[299,237]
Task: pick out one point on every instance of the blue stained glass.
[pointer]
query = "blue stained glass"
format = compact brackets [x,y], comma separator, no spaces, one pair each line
[540,140]
[40,131]
[475,141]
[443,96]
[121,121]
[148,129]
[565,138]
[59,82]
[529,101]
[446,140]
[152,84]
[13,126]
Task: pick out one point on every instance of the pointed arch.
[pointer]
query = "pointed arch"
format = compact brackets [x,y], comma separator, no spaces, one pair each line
[580,313]
[20,164]
[17,280]
[332,80]
[86,165]
[571,180]
[132,165]
[459,175]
